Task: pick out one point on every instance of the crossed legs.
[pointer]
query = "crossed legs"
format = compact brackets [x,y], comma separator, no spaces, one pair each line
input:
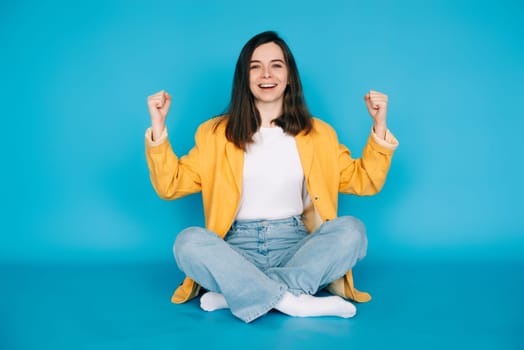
[235,283]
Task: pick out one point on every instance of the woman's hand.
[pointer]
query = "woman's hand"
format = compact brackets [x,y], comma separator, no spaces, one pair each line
[158,105]
[377,104]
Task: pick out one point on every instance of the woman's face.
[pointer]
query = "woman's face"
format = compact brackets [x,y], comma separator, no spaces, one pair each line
[268,74]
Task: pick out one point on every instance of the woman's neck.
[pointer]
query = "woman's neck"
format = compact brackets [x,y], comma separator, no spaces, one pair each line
[269,112]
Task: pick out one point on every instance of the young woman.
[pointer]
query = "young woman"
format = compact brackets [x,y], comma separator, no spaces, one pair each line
[270,175]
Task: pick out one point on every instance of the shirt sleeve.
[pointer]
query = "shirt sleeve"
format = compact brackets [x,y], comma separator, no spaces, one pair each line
[149,137]
[367,174]
[173,177]
[390,141]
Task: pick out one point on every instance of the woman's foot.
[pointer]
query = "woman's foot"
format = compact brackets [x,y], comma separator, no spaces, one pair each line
[212,301]
[305,305]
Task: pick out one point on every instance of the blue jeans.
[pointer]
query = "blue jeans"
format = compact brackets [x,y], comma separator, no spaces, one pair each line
[259,260]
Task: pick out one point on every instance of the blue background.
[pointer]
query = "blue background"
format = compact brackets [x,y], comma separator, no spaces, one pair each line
[75,77]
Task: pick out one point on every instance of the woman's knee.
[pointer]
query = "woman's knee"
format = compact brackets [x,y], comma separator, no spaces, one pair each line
[351,234]
[188,243]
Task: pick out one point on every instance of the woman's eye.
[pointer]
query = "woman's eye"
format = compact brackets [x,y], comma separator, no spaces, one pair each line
[254,67]
[277,65]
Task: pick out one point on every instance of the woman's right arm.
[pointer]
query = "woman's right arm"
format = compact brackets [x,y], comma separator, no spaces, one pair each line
[170,176]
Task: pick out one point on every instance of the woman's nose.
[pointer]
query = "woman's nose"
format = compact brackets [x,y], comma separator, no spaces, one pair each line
[266,73]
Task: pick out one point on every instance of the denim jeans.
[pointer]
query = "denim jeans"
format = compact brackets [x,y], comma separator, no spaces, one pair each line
[259,260]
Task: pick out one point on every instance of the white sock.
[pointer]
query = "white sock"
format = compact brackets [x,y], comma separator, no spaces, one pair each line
[212,301]
[307,306]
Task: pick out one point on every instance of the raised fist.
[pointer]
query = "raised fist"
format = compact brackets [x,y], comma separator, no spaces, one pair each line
[158,105]
[377,104]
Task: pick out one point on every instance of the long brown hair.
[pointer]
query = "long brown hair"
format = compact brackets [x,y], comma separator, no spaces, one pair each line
[243,118]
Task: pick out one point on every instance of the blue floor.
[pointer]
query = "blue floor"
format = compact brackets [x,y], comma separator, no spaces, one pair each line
[416,305]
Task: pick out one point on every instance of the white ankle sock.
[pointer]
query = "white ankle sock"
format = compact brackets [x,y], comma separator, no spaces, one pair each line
[298,306]
[307,306]
[212,301]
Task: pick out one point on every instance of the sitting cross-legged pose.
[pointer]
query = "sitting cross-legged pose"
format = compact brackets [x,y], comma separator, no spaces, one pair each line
[270,175]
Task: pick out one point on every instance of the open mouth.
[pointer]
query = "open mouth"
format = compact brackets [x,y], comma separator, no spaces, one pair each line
[267,86]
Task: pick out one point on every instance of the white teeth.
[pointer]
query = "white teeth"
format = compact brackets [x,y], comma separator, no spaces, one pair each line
[267,85]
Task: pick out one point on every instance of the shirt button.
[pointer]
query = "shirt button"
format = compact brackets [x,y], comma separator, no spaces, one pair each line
[316,198]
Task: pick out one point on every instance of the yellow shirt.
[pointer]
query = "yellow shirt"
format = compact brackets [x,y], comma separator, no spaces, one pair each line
[214,166]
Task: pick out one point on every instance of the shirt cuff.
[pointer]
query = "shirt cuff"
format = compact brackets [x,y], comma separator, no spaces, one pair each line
[161,140]
[390,142]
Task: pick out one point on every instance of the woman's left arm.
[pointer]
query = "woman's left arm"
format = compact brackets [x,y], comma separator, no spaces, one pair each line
[367,175]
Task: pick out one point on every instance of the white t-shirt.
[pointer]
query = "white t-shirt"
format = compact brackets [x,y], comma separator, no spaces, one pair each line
[273,179]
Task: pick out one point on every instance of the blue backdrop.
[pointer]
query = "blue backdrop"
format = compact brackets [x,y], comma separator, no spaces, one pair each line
[75,77]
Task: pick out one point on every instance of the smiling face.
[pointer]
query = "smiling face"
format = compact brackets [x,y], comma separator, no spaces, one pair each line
[268,74]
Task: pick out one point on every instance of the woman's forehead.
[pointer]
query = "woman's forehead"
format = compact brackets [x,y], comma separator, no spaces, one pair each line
[267,52]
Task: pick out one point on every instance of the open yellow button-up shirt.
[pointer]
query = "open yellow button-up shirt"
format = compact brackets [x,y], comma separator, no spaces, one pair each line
[214,166]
